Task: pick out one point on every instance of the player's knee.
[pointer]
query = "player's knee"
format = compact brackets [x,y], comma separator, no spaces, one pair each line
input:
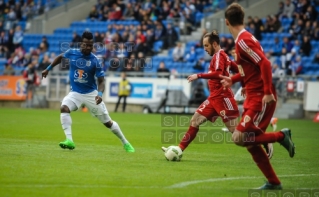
[231,129]
[237,138]
[197,120]
[109,124]
[64,109]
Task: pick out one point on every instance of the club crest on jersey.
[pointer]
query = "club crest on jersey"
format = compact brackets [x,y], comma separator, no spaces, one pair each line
[246,119]
[88,63]
[223,114]
[80,76]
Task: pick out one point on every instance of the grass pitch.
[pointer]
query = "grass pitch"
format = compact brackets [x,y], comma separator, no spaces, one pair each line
[32,163]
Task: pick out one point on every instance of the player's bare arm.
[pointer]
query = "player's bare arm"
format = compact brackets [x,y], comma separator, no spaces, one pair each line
[100,88]
[55,62]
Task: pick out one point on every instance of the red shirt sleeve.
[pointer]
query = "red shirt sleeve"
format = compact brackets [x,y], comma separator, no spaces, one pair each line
[218,64]
[251,49]
[234,68]
[211,75]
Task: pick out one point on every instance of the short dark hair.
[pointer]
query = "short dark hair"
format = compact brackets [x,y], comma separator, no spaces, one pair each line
[88,35]
[235,14]
[212,37]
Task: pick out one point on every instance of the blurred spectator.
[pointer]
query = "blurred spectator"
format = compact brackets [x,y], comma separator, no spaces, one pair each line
[139,47]
[128,67]
[171,36]
[46,62]
[289,9]
[94,15]
[276,48]
[163,71]
[296,47]
[128,12]
[297,29]
[276,71]
[305,48]
[285,58]
[295,67]
[250,21]
[45,43]
[281,7]
[9,70]
[315,31]
[18,37]
[316,59]
[191,55]
[200,65]
[76,39]
[273,24]
[259,27]
[150,39]
[178,53]
[97,37]
[30,76]
[116,12]
[311,14]
[307,29]
[286,43]
[140,63]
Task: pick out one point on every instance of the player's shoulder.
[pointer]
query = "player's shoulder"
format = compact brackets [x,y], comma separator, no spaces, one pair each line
[72,51]
[246,38]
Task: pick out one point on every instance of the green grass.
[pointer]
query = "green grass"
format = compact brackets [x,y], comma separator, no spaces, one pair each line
[32,163]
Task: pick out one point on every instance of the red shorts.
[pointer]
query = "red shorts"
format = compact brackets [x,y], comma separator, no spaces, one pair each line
[255,120]
[212,108]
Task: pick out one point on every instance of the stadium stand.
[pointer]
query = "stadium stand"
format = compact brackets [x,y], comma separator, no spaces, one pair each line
[289,38]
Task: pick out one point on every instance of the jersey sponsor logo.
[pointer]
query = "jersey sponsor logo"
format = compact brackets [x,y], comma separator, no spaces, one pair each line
[80,76]
[246,120]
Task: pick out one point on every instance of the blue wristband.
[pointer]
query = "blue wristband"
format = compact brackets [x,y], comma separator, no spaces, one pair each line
[100,94]
[49,67]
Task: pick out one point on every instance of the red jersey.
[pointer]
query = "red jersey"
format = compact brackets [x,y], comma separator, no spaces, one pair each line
[254,68]
[219,65]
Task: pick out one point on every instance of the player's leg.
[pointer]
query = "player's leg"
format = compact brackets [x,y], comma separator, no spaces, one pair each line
[192,131]
[246,129]
[255,136]
[203,113]
[124,103]
[70,103]
[102,114]
[118,103]
[262,161]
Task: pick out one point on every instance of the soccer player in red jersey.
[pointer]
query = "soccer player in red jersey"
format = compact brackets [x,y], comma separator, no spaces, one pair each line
[221,102]
[259,106]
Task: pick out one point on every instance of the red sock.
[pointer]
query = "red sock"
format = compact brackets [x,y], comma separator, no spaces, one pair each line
[188,137]
[264,138]
[262,161]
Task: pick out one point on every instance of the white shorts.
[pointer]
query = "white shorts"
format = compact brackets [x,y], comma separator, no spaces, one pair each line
[88,100]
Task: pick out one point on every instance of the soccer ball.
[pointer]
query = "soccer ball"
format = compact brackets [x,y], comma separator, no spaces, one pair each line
[173,153]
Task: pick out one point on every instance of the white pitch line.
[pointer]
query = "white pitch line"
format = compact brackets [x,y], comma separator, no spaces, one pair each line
[187,183]
[178,185]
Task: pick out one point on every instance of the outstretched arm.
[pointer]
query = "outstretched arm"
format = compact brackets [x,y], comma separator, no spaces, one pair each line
[55,62]
[100,88]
